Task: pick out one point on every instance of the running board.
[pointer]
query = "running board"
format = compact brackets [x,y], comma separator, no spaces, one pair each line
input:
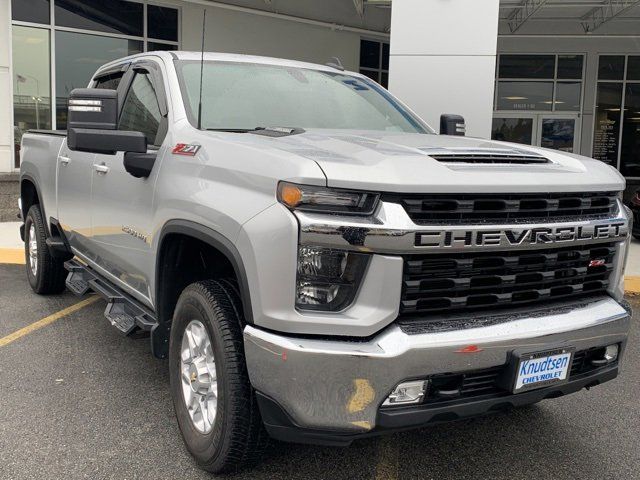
[123,312]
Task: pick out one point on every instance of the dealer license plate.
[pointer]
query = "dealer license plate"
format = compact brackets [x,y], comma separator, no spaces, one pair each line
[537,370]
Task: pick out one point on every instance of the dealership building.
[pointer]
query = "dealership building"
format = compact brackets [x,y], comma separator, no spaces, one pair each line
[562,74]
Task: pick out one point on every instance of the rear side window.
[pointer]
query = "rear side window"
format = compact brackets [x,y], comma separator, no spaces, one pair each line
[110,81]
[141,112]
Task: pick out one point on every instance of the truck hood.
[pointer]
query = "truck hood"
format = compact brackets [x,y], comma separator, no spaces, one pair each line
[403,162]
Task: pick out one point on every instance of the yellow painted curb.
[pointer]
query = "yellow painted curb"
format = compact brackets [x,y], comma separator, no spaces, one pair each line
[632,284]
[12,255]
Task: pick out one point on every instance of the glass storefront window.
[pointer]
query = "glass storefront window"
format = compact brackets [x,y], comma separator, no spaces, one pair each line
[607,122]
[633,67]
[78,56]
[611,67]
[31,82]
[369,54]
[33,11]
[558,134]
[568,96]
[527,66]
[162,23]
[630,150]
[114,16]
[513,95]
[516,130]
[570,67]
[154,46]
[530,82]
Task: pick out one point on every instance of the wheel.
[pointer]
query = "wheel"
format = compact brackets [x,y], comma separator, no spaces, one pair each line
[46,274]
[214,403]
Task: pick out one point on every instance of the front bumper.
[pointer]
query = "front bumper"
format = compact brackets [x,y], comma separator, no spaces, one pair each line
[338,385]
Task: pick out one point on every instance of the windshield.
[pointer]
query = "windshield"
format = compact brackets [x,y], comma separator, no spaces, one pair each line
[239,96]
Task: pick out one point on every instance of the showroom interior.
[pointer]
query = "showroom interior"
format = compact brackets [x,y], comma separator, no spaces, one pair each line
[562,74]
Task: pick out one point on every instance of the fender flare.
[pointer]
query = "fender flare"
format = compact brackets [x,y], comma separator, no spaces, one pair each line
[28,177]
[217,241]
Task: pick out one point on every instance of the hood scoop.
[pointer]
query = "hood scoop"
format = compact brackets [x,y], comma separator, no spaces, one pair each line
[485,156]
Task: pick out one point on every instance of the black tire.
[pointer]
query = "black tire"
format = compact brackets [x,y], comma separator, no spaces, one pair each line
[237,438]
[49,276]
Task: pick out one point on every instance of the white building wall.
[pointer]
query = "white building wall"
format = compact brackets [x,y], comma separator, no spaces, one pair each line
[248,33]
[6,101]
[591,46]
[443,56]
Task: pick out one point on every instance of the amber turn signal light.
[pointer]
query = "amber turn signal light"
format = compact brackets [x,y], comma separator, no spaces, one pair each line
[290,195]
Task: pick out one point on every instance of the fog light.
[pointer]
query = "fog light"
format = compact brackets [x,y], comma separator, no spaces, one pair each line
[610,356]
[611,353]
[407,393]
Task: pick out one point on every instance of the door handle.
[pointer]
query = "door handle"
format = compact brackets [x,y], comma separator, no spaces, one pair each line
[100,168]
[64,160]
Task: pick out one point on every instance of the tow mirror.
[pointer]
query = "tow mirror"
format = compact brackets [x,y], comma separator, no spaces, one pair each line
[452,125]
[93,122]
[93,108]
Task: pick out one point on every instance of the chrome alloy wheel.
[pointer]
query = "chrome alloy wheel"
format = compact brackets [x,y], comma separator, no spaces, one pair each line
[199,380]
[33,250]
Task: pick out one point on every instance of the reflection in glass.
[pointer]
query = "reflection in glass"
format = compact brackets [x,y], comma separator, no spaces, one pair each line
[558,134]
[630,151]
[525,95]
[527,66]
[568,96]
[607,122]
[162,23]
[31,82]
[114,16]
[369,54]
[516,130]
[633,67]
[611,67]
[155,46]
[78,56]
[570,67]
[34,11]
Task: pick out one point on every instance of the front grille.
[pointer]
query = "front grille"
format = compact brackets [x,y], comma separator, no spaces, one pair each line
[444,283]
[505,208]
[490,381]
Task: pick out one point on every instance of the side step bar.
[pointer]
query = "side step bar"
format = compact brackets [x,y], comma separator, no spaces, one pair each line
[123,312]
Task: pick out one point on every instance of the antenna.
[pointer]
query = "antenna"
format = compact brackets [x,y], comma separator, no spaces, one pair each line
[204,18]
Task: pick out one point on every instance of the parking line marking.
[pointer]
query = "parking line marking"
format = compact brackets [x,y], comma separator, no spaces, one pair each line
[12,255]
[12,337]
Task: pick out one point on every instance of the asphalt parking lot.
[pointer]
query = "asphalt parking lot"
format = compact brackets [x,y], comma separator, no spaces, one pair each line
[78,400]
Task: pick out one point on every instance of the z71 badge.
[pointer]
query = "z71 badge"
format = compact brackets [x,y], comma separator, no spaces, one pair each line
[186,149]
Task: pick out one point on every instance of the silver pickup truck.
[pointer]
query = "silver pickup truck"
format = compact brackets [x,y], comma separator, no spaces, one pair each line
[316,263]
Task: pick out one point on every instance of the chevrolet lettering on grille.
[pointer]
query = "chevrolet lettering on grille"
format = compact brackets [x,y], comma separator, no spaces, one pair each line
[521,236]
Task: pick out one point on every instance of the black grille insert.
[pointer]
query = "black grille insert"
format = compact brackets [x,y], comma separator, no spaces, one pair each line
[489,158]
[444,283]
[503,208]
[487,381]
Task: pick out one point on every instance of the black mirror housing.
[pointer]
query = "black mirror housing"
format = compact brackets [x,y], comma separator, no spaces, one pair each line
[452,125]
[139,165]
[106,141]
[93,108]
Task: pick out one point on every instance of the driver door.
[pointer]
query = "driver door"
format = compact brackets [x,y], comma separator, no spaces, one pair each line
[122,205]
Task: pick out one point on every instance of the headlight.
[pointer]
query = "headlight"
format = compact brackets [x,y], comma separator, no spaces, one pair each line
[327,200]
[328,279]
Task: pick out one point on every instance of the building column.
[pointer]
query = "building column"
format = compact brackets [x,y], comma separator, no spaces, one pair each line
[443,59]
[6,97]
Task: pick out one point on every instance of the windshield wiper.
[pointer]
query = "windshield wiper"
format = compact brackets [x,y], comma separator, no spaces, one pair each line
[266,131]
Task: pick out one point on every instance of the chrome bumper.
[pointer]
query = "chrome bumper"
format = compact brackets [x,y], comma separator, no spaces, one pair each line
[340,385]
